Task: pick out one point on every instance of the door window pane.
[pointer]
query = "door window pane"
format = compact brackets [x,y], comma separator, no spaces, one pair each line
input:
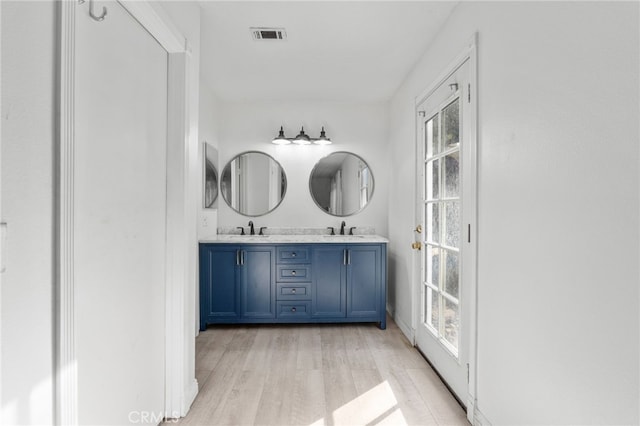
[452,230]
[451,322]
[432,180]
[432,305]
[452,175]
[433,222]
[432,137]
[451,282]
[432,262]
[451,118]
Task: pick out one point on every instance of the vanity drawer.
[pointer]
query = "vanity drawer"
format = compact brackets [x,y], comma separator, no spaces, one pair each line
[294,273]
[293,291]
[293,254]
[294,310]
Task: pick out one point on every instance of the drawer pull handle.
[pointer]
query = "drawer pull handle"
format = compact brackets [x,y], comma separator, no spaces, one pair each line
[293,290]
[293,309]
[293,272]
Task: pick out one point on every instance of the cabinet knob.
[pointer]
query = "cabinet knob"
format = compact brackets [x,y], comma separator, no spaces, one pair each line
[293,272]
[293,254]
[293,290]
[293,309]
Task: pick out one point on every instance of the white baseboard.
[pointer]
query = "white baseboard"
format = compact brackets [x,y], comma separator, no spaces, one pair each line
[406,330]
[479,419]
[470,403]
[189,397]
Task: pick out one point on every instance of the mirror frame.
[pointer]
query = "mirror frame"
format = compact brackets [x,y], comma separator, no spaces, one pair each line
[373,182]
[284,191]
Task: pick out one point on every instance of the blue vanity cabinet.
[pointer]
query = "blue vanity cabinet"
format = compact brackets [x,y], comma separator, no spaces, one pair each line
[292,283]
[257,282]
[349,282]
[329,286]
[237,284]
[366,298]
[219,291]
[293,277]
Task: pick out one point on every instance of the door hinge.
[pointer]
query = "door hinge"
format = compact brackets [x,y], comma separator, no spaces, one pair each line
[468,232]
[469,93]
[467,372]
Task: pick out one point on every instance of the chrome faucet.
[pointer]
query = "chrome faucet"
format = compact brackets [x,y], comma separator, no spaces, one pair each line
[252,230]
[342,225]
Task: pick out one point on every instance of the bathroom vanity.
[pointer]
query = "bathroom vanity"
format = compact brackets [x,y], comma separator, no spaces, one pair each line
[293,279]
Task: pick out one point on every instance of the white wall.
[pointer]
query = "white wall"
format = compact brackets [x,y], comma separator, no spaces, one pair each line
[360,128]
[558,206]
[28,124]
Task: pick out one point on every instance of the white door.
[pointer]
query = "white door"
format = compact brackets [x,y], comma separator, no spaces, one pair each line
[445,209]
[119,223]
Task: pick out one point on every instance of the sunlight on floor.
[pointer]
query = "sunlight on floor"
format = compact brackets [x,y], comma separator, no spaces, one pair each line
[378,406]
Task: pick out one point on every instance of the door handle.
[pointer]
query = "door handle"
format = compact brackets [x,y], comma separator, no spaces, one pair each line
[419,229]
[346,257]
[416,245]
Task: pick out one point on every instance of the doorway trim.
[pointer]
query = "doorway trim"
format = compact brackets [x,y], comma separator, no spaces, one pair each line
[468,53]
[181,386]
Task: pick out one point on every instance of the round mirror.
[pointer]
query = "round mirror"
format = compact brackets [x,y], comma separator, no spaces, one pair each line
[210,184]
[341,184]
[253,183]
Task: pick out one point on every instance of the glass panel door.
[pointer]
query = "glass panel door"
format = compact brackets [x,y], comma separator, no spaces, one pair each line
[441,198]
[445,208]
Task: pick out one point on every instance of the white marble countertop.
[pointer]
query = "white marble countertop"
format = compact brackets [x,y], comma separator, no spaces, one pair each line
[292,239]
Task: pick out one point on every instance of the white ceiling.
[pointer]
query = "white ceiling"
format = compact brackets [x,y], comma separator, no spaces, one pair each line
[335,50]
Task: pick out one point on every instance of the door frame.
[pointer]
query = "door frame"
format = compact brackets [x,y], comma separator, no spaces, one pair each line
[468,53]
[181,386]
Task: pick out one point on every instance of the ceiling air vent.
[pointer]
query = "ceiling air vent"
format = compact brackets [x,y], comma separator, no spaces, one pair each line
[268,33]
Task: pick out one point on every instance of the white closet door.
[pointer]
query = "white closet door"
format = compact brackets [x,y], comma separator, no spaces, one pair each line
[119,224]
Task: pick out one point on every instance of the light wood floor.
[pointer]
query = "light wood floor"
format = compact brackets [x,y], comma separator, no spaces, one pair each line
[316,375]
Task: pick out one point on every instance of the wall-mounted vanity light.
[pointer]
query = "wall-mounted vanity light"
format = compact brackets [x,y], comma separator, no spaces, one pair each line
[301,139]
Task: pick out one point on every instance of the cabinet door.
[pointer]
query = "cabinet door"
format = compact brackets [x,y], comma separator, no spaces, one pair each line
[364,281]
[219,294]
[257,281]
[329,282]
